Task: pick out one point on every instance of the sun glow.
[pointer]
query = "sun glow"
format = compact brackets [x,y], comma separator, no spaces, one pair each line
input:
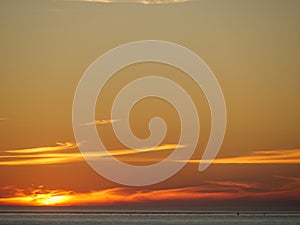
[54,200]
[48,199]
[38,197]
[214,190]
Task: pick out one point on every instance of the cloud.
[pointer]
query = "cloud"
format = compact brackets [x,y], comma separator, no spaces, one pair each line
[261,157]
[209,190]
[38,155]
[66,153]
[99,122]
[60,146]
[233,184]
[145,2]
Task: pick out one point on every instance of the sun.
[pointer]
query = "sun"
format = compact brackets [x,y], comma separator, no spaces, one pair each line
[48,199]
[54,200]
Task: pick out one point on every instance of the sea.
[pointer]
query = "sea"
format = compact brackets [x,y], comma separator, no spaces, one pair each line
[147,217]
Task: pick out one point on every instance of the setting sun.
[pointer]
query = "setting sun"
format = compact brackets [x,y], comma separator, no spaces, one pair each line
[54,200]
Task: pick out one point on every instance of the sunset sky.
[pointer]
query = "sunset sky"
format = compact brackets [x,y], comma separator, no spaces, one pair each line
[253,49]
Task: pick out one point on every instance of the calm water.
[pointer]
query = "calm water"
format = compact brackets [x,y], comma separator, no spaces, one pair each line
[132,218]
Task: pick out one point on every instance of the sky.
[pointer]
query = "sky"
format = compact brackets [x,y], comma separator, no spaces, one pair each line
[251,46]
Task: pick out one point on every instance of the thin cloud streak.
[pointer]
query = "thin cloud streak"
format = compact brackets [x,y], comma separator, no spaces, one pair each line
[144,2]
[99,122]
[57,154]
[60,146]
[64,153]
[260,157]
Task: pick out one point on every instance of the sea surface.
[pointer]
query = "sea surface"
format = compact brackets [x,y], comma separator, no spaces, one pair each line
[139,217]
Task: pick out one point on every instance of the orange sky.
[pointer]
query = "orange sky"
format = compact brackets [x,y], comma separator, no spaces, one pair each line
[287,191]
[230,186]
[251,46]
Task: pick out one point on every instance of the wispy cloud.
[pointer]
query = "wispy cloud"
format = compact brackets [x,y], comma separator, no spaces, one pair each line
[99,122]
[145,2]
[59,147]
[209,190]
[66,153]
[261,157]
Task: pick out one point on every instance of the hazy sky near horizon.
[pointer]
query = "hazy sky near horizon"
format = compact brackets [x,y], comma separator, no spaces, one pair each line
[251,46]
